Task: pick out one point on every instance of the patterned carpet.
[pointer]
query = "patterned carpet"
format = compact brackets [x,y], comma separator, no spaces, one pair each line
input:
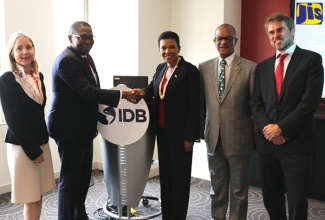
[199,206]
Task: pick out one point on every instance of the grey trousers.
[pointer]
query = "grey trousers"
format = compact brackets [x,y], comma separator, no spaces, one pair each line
[229,185]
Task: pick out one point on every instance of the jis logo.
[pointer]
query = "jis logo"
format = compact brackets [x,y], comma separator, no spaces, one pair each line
[309,13]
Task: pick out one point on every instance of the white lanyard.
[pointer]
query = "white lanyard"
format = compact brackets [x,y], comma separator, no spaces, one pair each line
[162,93]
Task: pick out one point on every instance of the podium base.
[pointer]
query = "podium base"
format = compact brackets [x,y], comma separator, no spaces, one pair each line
[148,208]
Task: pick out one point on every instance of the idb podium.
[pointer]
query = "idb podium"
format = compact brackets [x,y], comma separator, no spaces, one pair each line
[127,150]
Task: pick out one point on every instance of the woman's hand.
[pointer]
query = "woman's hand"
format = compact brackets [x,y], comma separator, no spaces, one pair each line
[39,159]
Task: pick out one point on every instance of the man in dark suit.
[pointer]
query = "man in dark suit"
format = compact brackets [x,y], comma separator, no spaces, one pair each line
[72,120]
[284,120]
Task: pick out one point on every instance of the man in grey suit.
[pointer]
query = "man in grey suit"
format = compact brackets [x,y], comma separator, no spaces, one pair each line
[226,88]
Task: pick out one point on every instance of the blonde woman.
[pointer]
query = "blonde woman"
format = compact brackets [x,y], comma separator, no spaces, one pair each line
[23,99]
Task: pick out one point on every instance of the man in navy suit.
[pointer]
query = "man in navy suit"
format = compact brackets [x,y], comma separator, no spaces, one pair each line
[72,120]
[284,121]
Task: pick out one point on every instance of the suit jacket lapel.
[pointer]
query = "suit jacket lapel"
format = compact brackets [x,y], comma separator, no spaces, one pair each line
[213,74]
[177,71]
[89,73]
[175,74]
[269,78]
[290,69]
[158,78]
[233,73]
[91,77]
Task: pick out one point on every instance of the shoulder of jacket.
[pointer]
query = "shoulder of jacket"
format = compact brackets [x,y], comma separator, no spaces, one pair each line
[246,61]
[7,74]
[209,61]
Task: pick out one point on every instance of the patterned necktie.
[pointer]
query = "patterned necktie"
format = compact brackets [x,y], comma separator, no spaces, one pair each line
[279,74]
[222,78]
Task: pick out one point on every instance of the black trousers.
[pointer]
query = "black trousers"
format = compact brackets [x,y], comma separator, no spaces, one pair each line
[175,166]
[282,173]
[75,175]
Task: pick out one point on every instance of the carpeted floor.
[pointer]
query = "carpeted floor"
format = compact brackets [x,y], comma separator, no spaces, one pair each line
[199,206]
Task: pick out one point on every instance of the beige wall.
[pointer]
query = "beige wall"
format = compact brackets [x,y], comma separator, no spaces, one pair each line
[154,18]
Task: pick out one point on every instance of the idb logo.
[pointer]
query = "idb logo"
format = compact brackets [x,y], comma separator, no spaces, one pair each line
[107,116]
[125,124]
[309,13]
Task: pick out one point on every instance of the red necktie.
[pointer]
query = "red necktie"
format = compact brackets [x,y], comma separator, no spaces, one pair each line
[279,74]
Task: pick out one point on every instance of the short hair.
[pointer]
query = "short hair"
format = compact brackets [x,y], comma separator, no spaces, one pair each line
[75,26]
[169,35]
[11,59]
[280,17]
[233,30]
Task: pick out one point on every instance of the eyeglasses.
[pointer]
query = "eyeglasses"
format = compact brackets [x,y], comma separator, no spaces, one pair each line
[228,39]
[84,36]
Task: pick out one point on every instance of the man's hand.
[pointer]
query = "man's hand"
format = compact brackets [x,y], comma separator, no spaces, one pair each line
[279,140]
[134,96]
[271,131]
[188,145]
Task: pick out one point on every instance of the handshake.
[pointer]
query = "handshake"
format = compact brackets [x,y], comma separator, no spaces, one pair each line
[134,96]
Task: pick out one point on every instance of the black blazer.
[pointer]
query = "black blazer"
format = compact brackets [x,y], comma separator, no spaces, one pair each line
[182,100]
[24,116]
[74,108]
[298,101]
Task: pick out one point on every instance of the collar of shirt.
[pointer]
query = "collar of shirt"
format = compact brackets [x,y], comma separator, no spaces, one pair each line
[286,61]
[289,51]
[228,59]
